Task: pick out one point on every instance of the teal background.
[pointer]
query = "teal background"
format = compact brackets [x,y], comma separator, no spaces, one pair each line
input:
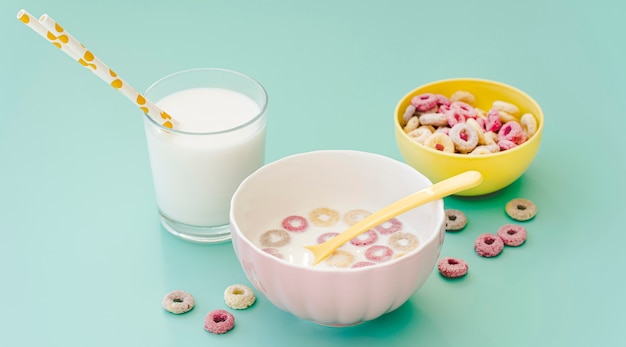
[84,261]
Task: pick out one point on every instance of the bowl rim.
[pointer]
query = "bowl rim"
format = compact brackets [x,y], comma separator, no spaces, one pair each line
[433,237]
[414,91]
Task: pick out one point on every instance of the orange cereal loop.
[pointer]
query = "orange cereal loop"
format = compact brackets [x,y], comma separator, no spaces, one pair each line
[324,217]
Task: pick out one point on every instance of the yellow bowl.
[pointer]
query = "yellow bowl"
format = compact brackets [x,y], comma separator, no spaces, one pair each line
[499,169]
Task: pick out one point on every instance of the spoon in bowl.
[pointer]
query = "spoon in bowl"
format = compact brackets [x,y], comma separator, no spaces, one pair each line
[449,186]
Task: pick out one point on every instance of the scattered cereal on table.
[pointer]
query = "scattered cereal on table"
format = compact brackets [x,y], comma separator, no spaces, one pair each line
[178,301]
[452,267]
[521,209]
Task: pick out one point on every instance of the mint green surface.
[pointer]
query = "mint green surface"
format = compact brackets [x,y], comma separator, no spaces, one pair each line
[84,261]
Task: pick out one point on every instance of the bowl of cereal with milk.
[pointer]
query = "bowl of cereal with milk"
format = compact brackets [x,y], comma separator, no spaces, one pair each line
[307,198]
[450,126]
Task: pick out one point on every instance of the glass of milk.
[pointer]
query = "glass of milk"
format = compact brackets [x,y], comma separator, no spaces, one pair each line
[218,139]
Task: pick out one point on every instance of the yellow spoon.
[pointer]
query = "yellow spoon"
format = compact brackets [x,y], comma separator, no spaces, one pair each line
[438,190]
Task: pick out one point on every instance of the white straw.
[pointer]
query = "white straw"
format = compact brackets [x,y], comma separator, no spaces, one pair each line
[53,32]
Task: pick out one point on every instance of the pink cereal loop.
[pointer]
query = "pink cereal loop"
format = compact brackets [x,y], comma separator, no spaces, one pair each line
[488,245]
[506,145]
[219,322]
[465,109]
[512,234]
[511,131]
[362,264]
[389,227]
[365,239]
[452,267]
[379,253]
[325,237]
[295,223]
[442,100]
[424,102]
[493,122]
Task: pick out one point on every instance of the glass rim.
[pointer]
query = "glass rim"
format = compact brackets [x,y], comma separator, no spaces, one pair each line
[223,131]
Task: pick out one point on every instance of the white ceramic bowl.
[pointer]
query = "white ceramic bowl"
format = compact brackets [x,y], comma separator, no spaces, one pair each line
[340,180]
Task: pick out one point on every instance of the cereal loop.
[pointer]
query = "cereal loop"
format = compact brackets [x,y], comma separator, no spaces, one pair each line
[408,113]
[362,264]
[403,242]
[464,137]
[178,301]
[412,124]
[505,107]
[512,234]
[440,142]
[295,223]
[365,239]
[275,238]
[452,267]
[488,245]
[424,102]
[434,119]
[355,216]
[340,258]
[389,227]
[239,297]
[455,220]
[529,124]
[379,253]
[463,96]
[325,237]
[420,134]
[219,322]
[493,123]
[521,209]
[511,131]
[324,217]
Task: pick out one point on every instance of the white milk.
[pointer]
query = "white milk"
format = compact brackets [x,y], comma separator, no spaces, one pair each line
[195,175]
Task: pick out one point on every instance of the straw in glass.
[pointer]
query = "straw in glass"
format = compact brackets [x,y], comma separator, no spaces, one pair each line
[55,34]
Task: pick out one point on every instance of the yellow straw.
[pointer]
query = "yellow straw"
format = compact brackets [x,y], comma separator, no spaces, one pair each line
[53,32]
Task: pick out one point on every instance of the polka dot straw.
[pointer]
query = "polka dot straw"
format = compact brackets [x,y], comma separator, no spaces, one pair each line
[55,34]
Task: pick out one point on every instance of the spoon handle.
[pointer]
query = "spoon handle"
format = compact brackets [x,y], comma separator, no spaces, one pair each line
[438,190]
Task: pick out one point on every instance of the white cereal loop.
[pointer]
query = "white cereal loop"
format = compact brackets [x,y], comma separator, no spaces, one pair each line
[239,297]
[178,301]
[340,258]
[434,119]
[491,138]
[420,134]
[464,137]
[480,150]
[463,96]
[412,124]
[440,142]
[479,130]
[408,113]
[354,216]
[506,117]
[529,124]
[506,107]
